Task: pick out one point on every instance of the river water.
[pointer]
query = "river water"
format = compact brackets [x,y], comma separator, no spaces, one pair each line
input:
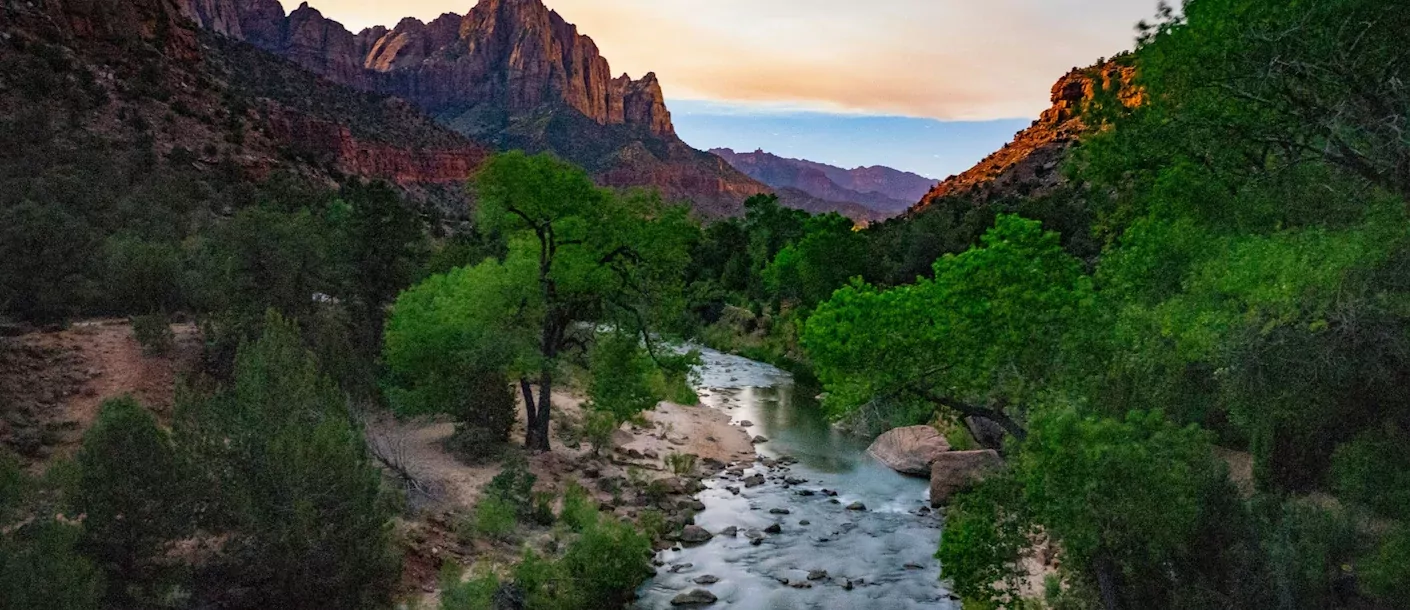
[885,552]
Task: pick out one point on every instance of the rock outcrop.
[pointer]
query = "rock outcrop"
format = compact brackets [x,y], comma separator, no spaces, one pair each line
[144,71]
[882,190]
[510,74]
[909,450]
[1031,164]
[952,471]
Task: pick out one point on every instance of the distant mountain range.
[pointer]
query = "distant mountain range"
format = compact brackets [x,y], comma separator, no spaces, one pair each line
[884,191]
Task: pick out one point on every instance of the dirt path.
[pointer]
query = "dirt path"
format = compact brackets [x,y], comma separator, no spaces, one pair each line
[53,383]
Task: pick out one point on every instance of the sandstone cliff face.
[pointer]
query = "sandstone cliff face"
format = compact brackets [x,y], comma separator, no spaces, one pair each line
[1031,164]
[514,56]
[509,73]
[225,103]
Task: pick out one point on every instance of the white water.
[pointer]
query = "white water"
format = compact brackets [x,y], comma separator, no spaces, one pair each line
[886,551]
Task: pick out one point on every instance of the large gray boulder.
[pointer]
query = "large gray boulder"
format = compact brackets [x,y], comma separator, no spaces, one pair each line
[955,470]
[694,597]
[909,450]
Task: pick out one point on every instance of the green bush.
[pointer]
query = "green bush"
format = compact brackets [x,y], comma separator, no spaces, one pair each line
[608,563]
[542,511]
[514,485]
[495,518]
[599,429]
[1386,573]
[653,523]
[484,419]
[476,593]
[40,568]
[295,492]
[40,564]
[681,464]
[579,510]
[134,489]
[153,333]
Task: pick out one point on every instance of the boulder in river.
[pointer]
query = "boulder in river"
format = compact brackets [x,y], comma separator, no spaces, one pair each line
[956,470]
[694,534]
[694,597]
[909,450]
[708,579]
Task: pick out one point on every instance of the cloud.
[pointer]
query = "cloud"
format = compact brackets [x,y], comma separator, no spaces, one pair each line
[946,59]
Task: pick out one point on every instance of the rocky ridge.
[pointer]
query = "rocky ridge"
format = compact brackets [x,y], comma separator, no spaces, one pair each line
[511,74]
[883,190]
[1030,165]
[142,76]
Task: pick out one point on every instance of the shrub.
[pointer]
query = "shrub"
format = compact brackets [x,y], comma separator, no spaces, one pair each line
[132,488]
[608,563]
[40,566]
[494,518]
[153,333]
[299,501]
[542,511]
[579,511]
[1386,573]
[484,421]
[477,593]
[515,485]
[653,523]
[681,463]
[599,429]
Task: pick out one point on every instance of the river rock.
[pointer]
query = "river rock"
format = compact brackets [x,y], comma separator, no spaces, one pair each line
[857,506]
[746,424]
[730,531]
[694,534]
[695,597]
[817,574]
[708,579]
[754,534]
[759,440]
[779,511]
[754,480]
[956,470]
[909,450]
[985,432]
[774,529]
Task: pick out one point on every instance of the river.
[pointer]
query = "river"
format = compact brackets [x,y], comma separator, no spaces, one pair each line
[879,558]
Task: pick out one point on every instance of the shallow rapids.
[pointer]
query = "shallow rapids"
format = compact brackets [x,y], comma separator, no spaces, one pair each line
[824,555]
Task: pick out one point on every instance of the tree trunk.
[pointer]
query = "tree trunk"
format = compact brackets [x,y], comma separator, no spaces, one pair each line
[1106,581]
[531,424]
[541,420]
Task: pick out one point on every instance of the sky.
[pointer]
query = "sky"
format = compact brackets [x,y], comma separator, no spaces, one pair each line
[969,61]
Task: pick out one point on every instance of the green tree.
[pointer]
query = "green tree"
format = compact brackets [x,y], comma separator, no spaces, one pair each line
[980,340]
[135,493]
[40,564]
[589,255]
[829,254]
[383,244]
[297,497]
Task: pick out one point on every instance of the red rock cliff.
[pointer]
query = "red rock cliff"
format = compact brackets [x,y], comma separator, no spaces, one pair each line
[1031,164]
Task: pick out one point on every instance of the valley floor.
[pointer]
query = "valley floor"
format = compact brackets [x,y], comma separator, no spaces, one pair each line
[54,381]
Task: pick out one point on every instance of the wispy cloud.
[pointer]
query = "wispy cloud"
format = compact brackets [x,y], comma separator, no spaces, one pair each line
[947,59]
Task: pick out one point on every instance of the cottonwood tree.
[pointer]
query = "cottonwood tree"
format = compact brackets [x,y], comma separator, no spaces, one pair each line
[579,256]
[979,340]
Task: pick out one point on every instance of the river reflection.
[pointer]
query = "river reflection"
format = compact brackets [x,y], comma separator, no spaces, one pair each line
[881,557]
